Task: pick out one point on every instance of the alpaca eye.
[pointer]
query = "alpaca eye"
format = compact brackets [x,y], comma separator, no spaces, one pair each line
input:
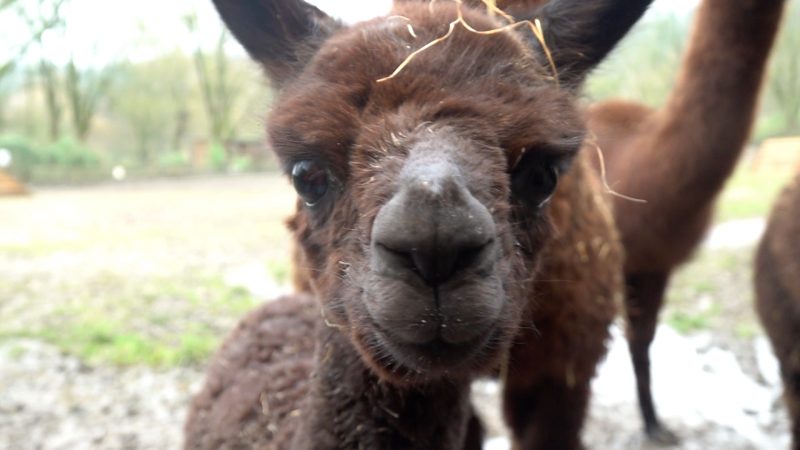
[546,180]
[310,181]
[534,181]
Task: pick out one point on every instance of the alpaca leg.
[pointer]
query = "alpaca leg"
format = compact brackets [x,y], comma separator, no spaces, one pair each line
[548,415]
[791,393]
[645,295]
[547,385]
[474,439]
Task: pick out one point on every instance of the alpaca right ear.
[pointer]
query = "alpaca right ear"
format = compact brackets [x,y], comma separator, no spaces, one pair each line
[281,35]
[578,33]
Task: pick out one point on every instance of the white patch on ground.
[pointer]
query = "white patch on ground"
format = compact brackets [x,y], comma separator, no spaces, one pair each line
[701,391]
[256,279]
[768,366]
[735,234]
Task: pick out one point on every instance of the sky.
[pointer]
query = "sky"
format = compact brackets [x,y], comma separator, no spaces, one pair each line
[101,31]
[355,10]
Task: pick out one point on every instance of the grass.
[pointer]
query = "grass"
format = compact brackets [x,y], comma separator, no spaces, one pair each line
[750,194]
[713,292]
[104,342]
[136,273]
[156,322]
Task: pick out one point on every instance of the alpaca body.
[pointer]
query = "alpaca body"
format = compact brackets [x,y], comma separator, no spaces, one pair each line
[258,380]
[777,280]
[256,394]
[678,158]
[447,224]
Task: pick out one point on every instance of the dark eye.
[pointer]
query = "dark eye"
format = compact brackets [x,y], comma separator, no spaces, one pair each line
[310,181]
[534,180]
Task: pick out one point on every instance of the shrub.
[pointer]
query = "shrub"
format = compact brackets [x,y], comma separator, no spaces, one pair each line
[68,153]
[25,155]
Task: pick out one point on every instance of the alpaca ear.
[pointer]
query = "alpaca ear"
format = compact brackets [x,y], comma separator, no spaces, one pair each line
[281,35]
[578,33]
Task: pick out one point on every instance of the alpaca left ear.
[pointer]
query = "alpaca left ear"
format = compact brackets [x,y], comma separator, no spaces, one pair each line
[579,34]
[281,35]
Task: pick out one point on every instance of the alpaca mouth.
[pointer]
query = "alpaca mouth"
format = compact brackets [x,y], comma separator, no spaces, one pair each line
[437,355]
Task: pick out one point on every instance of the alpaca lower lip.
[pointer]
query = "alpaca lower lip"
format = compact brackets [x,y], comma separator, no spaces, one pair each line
[436,353]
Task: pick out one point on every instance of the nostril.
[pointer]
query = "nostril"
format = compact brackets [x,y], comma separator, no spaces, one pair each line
[470,255]
[434,266]
[397,258]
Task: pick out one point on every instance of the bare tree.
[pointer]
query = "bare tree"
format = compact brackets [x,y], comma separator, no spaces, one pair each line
[48,74]
[46,15]
[39,18]
[220,91]
[84,90]
[784,80]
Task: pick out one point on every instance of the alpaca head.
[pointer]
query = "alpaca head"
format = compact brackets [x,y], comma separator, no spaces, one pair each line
[423,197]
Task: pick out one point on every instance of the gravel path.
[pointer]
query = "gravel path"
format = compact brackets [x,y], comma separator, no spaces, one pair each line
[49,400]
[53,401]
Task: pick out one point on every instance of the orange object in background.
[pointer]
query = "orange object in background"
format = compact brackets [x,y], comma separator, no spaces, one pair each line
[10,185]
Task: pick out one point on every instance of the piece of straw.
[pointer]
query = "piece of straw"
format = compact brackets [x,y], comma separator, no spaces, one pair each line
[593,142]
[420,50]
[491,6]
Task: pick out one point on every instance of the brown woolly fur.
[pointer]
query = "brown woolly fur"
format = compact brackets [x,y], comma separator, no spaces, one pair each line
[256,388]
[677,159]
[777,280]
[448,224]
[565,327]
[257,380]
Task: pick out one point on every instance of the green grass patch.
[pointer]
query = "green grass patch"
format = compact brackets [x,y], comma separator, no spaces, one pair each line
[747,330]
[713,292]
[156,322]
[279,270]
[16,352]
[102,342]
[686,323]
[750,194]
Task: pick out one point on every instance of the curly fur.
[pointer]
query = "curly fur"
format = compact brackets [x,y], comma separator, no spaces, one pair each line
[257,380]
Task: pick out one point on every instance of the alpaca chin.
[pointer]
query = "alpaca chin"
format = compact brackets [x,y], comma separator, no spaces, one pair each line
[418,364]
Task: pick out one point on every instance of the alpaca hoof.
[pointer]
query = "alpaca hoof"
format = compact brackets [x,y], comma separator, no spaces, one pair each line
[662,436]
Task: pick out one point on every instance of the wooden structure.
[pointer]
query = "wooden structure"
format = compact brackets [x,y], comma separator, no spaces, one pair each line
[10,185]
[778,154]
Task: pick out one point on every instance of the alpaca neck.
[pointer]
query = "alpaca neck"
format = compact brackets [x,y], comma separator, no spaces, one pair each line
[707,119]
[350,407]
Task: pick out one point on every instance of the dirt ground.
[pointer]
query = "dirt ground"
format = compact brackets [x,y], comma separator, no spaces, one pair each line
[151,258]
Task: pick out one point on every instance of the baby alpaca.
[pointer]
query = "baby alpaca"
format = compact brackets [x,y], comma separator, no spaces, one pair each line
[447,224]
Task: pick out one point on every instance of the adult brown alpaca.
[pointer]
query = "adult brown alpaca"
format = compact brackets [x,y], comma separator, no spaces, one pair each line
[445,224]
[677,158]
[777,279]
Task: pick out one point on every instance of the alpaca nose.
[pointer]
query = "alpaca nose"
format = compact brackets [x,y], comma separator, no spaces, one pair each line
[433,226]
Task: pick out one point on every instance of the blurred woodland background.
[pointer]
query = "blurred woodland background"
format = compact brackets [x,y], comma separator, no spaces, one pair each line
[171,93]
